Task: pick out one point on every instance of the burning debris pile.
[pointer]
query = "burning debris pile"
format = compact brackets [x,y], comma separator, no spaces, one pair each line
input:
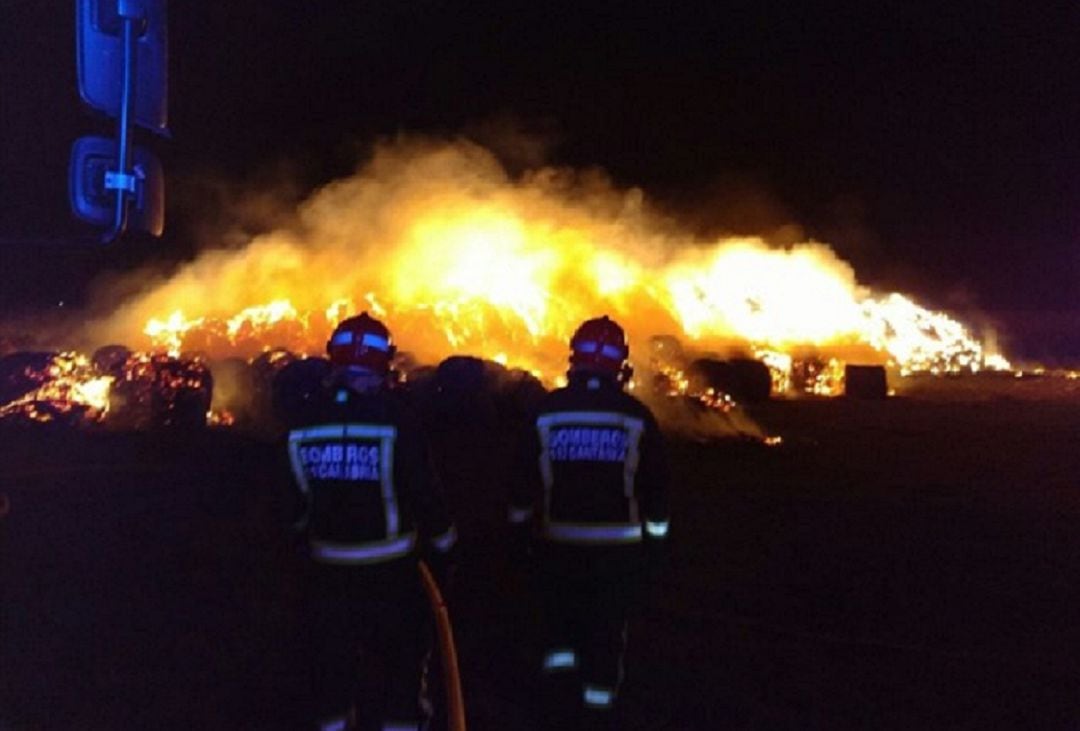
[160,391]
[472,391]
[45,387]
[712,383]
[460,258]
[129,390]
[120,389]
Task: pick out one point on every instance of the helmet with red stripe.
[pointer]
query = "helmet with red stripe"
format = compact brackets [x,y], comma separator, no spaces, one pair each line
[599,346]
[361,342]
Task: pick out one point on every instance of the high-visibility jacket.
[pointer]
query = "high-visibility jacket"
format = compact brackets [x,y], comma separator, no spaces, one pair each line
[591,469]
[369,494]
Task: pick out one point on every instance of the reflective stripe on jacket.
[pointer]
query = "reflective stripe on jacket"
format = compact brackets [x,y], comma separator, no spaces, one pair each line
[363,553]
[593,532]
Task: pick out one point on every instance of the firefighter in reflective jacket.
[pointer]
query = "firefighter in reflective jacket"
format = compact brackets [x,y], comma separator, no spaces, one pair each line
[590,486]
[370,507]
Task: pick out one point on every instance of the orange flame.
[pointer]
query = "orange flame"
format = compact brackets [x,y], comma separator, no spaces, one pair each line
[459,258]
[68,385]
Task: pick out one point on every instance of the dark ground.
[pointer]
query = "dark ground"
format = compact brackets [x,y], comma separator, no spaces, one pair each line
[906,564]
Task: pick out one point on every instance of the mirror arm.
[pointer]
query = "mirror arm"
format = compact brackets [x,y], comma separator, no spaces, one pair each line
[121,180]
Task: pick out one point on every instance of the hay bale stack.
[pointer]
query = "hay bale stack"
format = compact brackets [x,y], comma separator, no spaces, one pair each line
[743,379]
[753,380]
[866,382]
[293,386]
[23,372]
[463,393]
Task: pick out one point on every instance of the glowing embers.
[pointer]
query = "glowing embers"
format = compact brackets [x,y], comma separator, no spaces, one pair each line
[818,376]
[715,384]
[124,389]
[47,387]
[157,390]
[809,373]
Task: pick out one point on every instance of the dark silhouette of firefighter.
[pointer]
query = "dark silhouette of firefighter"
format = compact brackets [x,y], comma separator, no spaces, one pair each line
[589,511]
[371,507]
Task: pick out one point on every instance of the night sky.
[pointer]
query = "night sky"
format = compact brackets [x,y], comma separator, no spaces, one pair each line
[935,146]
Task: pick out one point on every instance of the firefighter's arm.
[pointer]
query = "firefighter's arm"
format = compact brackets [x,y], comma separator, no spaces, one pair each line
[293,492]
[653,484]
[523,491]
[437,529]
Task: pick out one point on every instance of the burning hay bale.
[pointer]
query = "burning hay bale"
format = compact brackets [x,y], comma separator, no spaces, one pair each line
[234,391]
[865,382]
[51,388]
[294,384]
[183,393]
[465,391]
[110,360]
[817,376]
[115,386]
[666,349]
[716,383]
[518,395]
[21,373]
[269,363]
[741,379]
[752,380]
[244,389]
[460,392]
[160,391]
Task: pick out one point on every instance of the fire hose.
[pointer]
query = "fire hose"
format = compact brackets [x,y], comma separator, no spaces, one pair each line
[455,703]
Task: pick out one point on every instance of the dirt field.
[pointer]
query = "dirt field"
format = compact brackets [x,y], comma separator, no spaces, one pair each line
[905,564]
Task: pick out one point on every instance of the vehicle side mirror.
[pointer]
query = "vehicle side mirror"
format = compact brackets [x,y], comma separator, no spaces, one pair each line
[94,158]
[99,44]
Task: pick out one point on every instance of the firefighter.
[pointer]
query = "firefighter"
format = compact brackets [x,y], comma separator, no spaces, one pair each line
[370,507]
[589,509]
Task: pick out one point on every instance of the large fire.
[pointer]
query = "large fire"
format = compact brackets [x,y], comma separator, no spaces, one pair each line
[458,257]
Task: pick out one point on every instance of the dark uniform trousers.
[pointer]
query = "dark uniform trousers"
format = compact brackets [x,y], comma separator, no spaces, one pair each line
[587,596]
[371,636]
